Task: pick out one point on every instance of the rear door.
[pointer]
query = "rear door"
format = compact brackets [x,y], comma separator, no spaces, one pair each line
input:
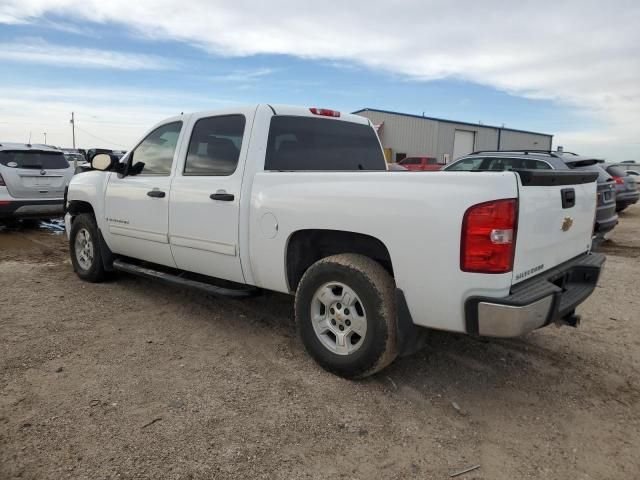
[35,174]
[556,212]
[205,196]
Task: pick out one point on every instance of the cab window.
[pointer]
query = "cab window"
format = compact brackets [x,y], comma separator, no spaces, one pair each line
[156,151]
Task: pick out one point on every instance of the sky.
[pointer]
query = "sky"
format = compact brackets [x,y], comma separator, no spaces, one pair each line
[568,68]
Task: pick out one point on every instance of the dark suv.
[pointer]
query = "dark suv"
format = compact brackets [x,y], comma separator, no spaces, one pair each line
[606,216]
[626,187]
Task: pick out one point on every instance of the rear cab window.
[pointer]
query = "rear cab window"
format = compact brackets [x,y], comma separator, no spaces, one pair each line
[40,160]
[304,143]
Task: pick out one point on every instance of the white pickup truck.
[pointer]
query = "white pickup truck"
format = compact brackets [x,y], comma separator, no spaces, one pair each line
[299,200]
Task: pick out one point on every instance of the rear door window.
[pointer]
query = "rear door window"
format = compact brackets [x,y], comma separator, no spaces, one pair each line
[214,148]
[304,143]
[33,159]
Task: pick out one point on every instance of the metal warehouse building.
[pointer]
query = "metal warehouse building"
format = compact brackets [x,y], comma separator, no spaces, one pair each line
[404,135]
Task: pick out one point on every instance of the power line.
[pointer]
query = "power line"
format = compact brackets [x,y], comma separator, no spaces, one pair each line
[99,138]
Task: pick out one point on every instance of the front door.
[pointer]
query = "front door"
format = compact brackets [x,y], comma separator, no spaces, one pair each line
[204,210]
[137,206]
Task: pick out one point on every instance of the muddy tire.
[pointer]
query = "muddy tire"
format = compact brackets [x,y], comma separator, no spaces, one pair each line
[84,246]
[346,315]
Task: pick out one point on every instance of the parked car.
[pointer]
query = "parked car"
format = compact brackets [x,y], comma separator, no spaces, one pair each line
[421,163]
[626,187]
[397,167]
[606,216]
[75,159]
[256,196]
[634,173]
[32,181]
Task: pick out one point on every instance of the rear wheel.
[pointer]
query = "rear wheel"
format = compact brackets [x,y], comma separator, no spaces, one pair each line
[85,249]
[345,313]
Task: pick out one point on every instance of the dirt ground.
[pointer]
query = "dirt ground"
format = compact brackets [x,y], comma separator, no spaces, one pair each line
[133,379]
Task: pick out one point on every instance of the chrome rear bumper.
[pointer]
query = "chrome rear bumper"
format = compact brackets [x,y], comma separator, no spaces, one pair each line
[549,297]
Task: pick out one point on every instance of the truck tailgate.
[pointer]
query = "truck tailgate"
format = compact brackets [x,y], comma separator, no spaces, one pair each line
[556,213]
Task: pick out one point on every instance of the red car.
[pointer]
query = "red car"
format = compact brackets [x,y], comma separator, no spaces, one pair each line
[421,163]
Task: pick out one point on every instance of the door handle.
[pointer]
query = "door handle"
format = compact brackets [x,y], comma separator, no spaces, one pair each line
[568,197]
[222,196]
[156,194]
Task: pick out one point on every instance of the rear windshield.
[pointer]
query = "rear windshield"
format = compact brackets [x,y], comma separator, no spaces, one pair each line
[34,159]
[603,176]
[303,143]
[617,171]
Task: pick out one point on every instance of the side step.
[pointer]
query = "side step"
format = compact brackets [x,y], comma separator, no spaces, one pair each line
[173,279]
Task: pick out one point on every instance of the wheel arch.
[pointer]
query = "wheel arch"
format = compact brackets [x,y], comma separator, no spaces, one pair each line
[305,247]
[76,207]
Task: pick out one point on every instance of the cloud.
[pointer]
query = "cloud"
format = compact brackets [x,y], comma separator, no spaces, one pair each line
[109,117]
[243,76]
[42,52]
[582,54]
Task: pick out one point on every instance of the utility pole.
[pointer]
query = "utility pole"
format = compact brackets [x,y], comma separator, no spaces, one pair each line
[73,130]
[45,137]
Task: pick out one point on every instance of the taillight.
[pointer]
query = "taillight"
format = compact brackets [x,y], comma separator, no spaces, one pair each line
[2,184]
[489,237]
[325,112]
[618,180]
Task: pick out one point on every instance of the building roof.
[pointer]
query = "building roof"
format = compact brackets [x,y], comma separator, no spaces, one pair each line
[449,121]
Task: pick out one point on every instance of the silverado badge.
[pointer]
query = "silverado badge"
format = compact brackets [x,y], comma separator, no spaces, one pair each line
[567,223]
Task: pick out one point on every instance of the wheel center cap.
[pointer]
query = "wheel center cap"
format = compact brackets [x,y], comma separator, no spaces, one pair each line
[339,317]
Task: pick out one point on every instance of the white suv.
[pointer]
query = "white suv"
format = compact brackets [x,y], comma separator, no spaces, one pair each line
[33,179]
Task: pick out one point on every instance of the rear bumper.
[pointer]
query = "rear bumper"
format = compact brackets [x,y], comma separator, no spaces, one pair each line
[534,303]
[607,224]
[31,208]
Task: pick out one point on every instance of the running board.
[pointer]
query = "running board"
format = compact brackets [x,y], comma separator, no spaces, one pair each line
[165,277]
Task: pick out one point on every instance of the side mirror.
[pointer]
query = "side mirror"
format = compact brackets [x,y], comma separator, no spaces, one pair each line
[102,161]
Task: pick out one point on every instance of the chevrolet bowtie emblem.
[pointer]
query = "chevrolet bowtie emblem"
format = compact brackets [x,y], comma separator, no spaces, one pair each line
[567,223]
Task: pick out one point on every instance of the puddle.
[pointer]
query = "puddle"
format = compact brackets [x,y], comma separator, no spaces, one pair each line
[51,225]
[55,226]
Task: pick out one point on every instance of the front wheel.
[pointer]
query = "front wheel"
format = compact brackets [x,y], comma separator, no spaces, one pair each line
[346,317]
[85,249]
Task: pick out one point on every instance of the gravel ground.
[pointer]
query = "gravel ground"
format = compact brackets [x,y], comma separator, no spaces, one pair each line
[133,379]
